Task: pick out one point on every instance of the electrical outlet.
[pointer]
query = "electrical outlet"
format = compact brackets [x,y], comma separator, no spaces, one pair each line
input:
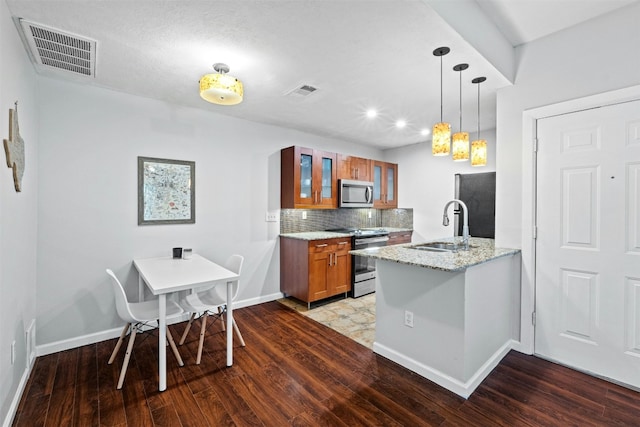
[369,214]
[304,214]
[13,352]
[271,217]
[408,318]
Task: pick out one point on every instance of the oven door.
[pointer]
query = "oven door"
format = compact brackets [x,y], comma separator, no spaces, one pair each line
[364,267]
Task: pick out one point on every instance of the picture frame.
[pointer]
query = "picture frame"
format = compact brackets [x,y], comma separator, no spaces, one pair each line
[166,191]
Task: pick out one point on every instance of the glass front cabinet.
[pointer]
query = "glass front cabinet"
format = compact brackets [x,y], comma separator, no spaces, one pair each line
[308,179]
[385,185]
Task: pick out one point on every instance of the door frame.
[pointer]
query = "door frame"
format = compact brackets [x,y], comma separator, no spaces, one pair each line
[529,197]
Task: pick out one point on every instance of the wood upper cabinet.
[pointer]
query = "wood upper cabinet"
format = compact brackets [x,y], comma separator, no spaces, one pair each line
[385,185]
[309,179]
[399,237]
[316,269]
[350,167]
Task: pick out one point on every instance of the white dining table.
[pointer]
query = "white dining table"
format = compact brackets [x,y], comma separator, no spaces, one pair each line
[166,275]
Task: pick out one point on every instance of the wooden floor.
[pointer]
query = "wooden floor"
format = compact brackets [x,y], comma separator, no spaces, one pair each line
[295,371]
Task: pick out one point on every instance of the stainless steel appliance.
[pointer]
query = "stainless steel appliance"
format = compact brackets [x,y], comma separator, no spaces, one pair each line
[363,269]
[355,194]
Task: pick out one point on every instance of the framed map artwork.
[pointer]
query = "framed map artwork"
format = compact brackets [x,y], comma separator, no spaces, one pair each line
[166,191]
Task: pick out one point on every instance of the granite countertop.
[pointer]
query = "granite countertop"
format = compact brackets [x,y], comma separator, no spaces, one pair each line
[320,235]
[482,250]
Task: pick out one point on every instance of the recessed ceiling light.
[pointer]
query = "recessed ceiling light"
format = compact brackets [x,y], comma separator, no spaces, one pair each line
[401,124]
[425,132]
[371,113]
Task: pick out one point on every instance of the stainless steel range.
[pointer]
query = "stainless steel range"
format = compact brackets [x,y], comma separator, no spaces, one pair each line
[363,270]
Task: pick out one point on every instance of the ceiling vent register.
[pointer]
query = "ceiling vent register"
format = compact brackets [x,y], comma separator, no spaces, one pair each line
[303,90]
[52,48]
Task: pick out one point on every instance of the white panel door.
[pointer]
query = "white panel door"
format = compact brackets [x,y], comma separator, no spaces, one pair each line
[588,244]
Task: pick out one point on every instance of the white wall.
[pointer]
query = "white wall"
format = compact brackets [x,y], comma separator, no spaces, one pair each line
[17,215]
[426,183]
[91,139]
[597,56]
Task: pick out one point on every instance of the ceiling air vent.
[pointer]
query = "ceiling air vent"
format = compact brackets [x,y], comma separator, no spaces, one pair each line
[304,90]
[52,48]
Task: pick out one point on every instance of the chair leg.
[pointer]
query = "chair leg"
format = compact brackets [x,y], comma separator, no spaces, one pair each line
[221,316]
[186,330]
[203,328]
[235,328]
[119,343]
[172,343]
[127,356]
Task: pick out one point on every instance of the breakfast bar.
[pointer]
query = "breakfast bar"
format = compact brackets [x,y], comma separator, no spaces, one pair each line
[446,314]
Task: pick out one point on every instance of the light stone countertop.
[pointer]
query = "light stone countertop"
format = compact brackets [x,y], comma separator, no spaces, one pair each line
[320,235]
[481,250]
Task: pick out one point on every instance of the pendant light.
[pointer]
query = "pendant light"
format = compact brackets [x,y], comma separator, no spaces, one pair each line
[479,146]
[221,88]
[441,134]
[461,139]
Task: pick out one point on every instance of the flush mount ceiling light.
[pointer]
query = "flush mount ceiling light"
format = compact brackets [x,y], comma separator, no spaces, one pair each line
[460,139]
[221,88]
[479,146]
[441,135]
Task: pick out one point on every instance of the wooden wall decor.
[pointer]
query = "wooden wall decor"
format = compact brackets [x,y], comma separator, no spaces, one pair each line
[14,149]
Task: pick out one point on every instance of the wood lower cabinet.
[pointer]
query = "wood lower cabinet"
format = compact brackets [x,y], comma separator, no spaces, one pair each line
[311,270]
[399,237]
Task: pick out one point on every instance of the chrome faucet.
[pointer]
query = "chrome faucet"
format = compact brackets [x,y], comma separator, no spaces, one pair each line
[465,223]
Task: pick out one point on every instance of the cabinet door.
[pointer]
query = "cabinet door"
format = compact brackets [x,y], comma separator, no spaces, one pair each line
[357,168]
[341,269]
[308,179]
[324,179]
[319,275]
[391,176]
[385,185]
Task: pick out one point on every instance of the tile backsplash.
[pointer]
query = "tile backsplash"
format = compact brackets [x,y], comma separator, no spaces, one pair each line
[325,219]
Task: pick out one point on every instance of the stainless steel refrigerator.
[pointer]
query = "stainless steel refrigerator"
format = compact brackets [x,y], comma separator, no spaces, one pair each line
[478,192]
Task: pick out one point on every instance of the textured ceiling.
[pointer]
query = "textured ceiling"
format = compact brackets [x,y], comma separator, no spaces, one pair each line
[358,54]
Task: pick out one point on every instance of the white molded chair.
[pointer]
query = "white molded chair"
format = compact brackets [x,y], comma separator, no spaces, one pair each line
[137,314]
[205,302]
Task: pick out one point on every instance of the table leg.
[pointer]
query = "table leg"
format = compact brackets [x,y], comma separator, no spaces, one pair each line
[229,324]
[141,286]
[162,342]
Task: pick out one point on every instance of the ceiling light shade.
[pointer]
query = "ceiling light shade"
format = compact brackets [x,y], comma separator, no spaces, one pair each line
[441,139]
[460,139]
[460,145]
[479,152]
[221,88]
[441,133]
[479,146]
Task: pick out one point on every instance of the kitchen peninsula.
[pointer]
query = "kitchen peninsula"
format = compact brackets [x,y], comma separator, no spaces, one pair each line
[446,315]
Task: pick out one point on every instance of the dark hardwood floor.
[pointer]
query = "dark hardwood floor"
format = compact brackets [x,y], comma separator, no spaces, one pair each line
[295,371]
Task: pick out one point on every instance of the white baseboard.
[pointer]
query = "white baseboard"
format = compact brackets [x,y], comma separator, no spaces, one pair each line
[460,388]
[16,397]
[95,337]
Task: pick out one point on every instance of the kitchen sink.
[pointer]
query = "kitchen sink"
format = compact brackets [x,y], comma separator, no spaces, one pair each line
[439,247]
[436,247]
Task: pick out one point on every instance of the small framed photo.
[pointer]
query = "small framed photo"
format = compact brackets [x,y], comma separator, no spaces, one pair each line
[166,191]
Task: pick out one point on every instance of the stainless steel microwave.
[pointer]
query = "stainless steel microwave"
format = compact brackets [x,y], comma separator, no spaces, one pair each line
[355,194]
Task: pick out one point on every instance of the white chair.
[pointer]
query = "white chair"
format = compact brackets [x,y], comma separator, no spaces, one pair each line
[205,302]
[137,314]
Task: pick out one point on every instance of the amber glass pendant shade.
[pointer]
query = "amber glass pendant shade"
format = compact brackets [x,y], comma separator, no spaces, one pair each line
[460,146]
[221,88]
[441,139]
[479,152]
